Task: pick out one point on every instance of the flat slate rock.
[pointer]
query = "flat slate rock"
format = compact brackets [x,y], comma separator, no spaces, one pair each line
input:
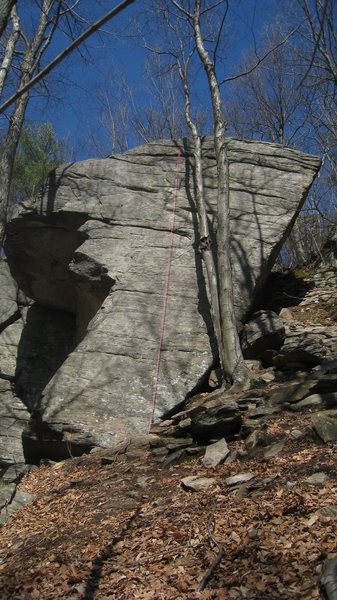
[6,494]
[220,417]
[216,453]
[301,350]
[176,443]
[265,331]
[312,401]
[325,425]
[292,392]
[239,479]
[274,450]
[318,479]
[196,484]
[263,411]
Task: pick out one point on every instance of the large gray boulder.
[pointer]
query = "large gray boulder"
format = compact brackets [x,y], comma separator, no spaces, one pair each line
[265,331]
[97,244]
[305,347]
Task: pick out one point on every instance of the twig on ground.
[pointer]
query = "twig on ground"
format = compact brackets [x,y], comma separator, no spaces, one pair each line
[215,563]
[292,296]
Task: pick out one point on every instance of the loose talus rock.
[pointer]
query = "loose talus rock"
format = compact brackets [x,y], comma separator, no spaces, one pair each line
[329,578]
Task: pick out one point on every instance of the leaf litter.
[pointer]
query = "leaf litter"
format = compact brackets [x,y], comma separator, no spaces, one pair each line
[129,530]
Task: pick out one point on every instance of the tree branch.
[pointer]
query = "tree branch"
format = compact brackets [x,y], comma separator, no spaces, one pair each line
[316,37]
[48,39]
[5,11]
[260,60]
[215,51]
[213,6]
[216,561]
[87,33]
[181,9]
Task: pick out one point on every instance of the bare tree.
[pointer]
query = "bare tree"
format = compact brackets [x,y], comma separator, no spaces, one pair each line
[234,367]
[184,22]
[317,52]
[157,112]
[290,98]
[28,64]
[268,103]
[320,32]
[33,50]
[205,241]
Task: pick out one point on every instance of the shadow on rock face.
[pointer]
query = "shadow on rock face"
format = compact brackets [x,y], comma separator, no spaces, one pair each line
[46,341]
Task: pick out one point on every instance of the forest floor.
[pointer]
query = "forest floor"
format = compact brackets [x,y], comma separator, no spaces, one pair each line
[129,530]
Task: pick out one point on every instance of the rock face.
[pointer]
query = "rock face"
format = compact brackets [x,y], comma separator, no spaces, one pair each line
[13,413]
[34,342]
[13,419]
[9,292]
[102,242]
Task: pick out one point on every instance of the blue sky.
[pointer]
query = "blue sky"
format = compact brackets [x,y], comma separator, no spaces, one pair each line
[75,83]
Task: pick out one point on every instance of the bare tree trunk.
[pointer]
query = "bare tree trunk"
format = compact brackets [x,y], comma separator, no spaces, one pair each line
[205,242]
[5,9]
[50,12]
[235,370]
[7,158]
[11,140]
[9,49]
[60,57]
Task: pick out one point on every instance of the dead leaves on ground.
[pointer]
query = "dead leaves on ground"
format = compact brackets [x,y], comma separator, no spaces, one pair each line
[93,532]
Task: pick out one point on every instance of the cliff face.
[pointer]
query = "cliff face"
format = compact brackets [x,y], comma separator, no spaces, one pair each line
[96,245]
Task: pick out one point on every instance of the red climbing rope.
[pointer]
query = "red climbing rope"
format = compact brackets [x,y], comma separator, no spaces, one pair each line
[155,376]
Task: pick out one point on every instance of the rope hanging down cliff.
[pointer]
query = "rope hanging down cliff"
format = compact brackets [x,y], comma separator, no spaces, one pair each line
[155,376]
